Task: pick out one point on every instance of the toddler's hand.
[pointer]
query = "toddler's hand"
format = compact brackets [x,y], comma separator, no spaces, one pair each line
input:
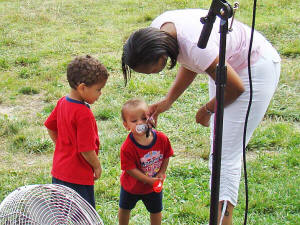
[158,184]
[153,180]
[97,173]
[161,176]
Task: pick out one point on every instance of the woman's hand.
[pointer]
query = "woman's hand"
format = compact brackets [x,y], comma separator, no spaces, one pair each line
[203,116]
[157,108]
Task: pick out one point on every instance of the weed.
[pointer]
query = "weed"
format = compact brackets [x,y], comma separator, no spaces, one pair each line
[25,61]
[48,109]
[292,49]
[28,91]
[9,126]
[4,64]
[29,72]
[24,73]
[105,114]
[29,145]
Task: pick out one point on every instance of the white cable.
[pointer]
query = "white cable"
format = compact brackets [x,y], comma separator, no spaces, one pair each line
[223,211]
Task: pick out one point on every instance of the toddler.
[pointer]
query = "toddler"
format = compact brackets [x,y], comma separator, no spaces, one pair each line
[144,160]
[73,129]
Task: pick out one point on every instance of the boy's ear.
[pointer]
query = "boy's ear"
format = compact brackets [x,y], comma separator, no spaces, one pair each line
[80,87]
[126,125]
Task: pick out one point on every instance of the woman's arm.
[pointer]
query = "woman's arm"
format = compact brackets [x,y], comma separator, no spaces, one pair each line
[233,89]
[234,85]
[183,79]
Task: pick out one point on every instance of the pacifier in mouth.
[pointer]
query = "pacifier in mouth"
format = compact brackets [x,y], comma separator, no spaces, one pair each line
[145,128]
[141,128]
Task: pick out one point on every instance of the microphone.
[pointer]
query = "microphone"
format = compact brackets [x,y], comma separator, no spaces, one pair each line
[208,22]
[217,8]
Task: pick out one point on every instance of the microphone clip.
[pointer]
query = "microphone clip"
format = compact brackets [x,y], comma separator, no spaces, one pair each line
[235,8]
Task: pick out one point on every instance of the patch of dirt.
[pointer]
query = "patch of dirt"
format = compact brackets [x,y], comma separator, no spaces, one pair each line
[24,162]
[182,156]
[253,155]
[25,106]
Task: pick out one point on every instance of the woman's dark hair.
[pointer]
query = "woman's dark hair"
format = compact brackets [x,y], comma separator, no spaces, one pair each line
[145,47]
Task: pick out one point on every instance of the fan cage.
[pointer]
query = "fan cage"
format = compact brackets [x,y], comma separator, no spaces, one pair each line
[47,204]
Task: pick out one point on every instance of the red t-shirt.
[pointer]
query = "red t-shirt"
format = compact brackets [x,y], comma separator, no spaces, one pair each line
[77,132]
[148,159]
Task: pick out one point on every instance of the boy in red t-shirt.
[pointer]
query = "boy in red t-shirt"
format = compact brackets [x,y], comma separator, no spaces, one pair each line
[73,129]
[144,160]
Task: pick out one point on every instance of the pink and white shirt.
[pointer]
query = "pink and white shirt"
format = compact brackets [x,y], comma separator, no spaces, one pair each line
[188,28]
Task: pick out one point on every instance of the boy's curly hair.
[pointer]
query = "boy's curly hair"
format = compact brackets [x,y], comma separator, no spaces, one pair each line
[87,70]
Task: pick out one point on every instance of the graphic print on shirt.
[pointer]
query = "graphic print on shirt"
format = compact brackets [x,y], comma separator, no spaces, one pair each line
[151,163]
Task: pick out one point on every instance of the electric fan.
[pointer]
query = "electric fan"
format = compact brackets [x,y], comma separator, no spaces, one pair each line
[47,204]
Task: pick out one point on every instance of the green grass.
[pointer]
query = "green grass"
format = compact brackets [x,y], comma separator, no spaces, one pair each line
[38,40]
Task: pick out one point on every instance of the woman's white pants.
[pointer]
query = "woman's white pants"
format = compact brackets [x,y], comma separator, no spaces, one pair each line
[265,76]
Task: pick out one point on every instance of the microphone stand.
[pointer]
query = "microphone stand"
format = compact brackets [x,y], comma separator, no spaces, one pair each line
[222,9]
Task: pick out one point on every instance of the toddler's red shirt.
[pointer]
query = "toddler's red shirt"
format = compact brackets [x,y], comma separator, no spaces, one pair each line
[77,132]
[148,159]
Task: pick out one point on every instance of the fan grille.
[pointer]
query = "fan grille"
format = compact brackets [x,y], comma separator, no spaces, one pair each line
[47,204]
